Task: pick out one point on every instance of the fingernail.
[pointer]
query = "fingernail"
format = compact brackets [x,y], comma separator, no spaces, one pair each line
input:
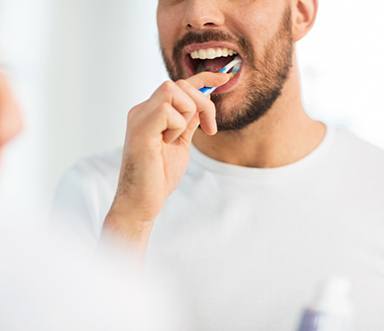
[215,128]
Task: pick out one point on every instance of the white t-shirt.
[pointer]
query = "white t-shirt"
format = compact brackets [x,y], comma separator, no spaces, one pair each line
[250,245]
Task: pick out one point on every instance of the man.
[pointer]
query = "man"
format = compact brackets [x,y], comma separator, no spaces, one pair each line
[250,200]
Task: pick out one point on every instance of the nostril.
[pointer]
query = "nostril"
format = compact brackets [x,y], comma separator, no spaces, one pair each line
[190,26]
[200,25]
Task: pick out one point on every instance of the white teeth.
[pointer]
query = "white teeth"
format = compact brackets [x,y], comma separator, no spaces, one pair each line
[212,53]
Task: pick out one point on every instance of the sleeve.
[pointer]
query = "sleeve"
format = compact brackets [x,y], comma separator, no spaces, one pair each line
[75,208]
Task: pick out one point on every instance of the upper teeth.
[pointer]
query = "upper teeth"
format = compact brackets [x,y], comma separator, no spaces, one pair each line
[212,53]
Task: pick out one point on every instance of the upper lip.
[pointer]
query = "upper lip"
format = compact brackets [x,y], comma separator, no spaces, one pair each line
[211,44]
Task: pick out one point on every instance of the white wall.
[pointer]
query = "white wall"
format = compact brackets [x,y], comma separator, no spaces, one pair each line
[342,63]
[103,59]
[79,65]
[94,59]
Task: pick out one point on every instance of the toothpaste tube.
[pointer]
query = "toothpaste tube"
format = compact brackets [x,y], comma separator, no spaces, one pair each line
[331,310]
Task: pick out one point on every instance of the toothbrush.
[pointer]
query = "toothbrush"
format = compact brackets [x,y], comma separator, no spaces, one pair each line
[235,65]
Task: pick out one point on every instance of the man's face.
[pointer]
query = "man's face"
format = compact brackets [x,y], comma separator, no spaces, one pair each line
[259,31]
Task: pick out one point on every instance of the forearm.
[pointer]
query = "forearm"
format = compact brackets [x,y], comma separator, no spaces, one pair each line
[128,230]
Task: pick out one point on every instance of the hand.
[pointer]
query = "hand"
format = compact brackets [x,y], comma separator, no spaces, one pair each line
[156,151]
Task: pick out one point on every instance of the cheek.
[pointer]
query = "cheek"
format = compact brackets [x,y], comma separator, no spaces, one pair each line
[167,27]
[258,24]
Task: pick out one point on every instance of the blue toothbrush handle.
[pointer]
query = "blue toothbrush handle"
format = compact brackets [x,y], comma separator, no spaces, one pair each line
[205,89]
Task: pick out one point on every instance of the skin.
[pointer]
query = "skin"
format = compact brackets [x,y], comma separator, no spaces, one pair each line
[158,138]
[10,115]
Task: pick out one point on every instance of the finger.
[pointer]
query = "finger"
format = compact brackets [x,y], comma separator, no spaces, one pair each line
[174,122]
[170,92]
[211,79]
[205,107]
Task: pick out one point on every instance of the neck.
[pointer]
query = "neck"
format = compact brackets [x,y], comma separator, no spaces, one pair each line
[284,135]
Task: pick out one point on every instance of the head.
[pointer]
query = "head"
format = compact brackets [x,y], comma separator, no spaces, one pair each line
[262,32]
[10,116]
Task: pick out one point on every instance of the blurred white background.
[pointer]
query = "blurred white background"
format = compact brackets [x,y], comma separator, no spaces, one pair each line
[78,66]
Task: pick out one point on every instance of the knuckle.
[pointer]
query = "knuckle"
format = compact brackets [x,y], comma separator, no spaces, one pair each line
[182,83]
[192,107]
[183,122]
[136,110]
[171,112]
[165,110]
[184,125]
[167,86]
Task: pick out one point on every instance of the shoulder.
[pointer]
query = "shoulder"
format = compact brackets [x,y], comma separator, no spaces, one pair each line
[353,148]
[357,163]
[93,177]
[103,166]
[86,190]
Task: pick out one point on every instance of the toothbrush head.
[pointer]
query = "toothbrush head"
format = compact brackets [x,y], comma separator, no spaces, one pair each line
[236,69]
[236,62]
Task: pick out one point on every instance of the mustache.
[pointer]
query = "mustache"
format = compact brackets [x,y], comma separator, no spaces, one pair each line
[210,35]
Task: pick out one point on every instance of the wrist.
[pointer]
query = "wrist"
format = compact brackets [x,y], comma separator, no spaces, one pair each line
[125,230]
[123,222]
[126,209]
[122,234]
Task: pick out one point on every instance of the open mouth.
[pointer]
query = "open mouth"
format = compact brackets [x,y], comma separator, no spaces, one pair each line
[209,59]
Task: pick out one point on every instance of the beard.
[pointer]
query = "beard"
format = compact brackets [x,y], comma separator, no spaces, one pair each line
[267,74]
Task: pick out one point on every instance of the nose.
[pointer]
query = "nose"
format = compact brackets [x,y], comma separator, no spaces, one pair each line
[200,14]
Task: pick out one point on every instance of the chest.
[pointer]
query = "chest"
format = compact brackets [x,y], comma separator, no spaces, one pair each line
[249,258]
